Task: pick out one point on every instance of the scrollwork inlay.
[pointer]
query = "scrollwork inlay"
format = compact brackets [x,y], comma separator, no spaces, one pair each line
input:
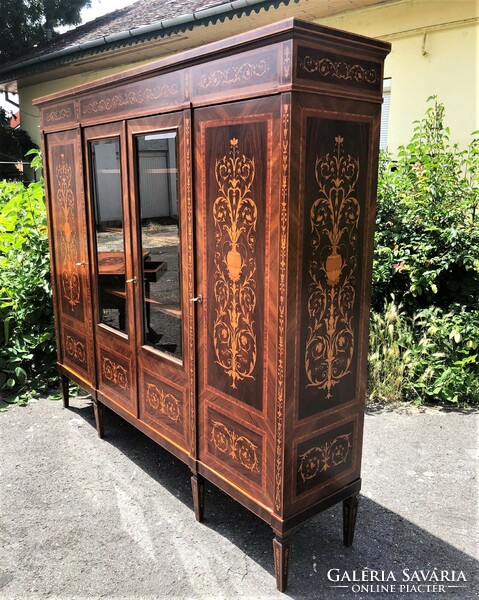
[65,201]
[130,98]
[339,69]
[235,215]
[283,242]
[334,219]
[320,459]
[164,402]
[115,373]
[75,349]
[232,74]
[59,115]
[238,447]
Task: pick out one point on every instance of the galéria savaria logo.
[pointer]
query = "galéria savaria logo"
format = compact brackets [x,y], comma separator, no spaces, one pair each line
[407,581]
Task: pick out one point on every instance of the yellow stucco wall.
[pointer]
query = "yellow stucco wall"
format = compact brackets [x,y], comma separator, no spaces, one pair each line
[434,51]
[29,112]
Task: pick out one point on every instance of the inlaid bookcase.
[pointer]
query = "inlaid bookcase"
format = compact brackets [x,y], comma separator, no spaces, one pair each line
[211,224]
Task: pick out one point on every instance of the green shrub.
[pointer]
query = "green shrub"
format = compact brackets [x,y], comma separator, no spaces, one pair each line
[427,257]
[389,362]
[27,349]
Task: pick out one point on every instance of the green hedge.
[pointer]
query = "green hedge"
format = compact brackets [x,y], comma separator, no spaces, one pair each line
[27,348]
[426,270]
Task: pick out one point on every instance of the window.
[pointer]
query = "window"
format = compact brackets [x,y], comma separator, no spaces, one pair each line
[383,140]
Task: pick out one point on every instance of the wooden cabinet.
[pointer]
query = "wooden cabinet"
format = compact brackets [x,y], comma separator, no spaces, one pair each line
[211,221]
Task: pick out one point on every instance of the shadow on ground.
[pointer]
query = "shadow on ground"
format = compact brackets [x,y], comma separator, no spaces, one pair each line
[384,540]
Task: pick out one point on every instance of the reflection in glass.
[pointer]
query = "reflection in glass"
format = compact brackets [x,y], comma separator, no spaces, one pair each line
[160,240]
[106,184]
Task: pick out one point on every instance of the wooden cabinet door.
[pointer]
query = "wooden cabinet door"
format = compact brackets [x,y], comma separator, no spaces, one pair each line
[113,277]
[238,169]
[69,255]
[160,191]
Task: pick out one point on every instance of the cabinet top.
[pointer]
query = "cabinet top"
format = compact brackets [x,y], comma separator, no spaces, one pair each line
[286,55]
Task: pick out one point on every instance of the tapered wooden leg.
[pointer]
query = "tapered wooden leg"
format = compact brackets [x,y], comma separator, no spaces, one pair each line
[350,511]
[99,411]
[281,550]
[65,383]
[198,489]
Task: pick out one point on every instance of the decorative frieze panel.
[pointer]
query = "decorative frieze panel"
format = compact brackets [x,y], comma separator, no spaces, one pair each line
[156,92]
[320,66]
[229,75]
[58,115]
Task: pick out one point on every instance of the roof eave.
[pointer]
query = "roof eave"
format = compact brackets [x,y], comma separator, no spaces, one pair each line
[138,35]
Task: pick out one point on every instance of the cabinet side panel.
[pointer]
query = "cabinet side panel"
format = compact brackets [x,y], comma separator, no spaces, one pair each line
[330,258]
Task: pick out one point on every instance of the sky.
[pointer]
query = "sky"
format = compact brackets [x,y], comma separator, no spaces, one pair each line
[98,8]
[102,7]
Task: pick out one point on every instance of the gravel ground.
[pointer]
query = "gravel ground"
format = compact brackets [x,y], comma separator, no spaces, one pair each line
[82,518]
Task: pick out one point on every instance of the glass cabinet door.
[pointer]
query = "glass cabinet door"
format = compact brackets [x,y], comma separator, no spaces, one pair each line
[109,232]
[113,273]
[156,157]
[162,232]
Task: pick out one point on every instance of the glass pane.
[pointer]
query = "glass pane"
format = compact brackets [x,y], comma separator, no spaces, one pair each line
[110,244]
[160,240]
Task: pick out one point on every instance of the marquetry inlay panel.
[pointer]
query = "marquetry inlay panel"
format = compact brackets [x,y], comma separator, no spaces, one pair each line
[58,115]
[235,244]
[324,457]
[232,74]
[283,244]
[235,216]
[75,348]
[115,372]
[162,403]
[319,65]
[66,235]
[235,445]
[332,254]
[332,269]
[150,93]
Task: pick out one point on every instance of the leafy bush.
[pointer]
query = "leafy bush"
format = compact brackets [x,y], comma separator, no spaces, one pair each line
[27,349]
[427,258]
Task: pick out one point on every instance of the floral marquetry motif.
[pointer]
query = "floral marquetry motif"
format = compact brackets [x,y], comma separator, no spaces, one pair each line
[114,373]
[334,217]
[75,350]
[238,447]
[164,402]
[58,115]
[130,98]
[320,459]
[234,74]
[339,69]
[65,199]
[235,217]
